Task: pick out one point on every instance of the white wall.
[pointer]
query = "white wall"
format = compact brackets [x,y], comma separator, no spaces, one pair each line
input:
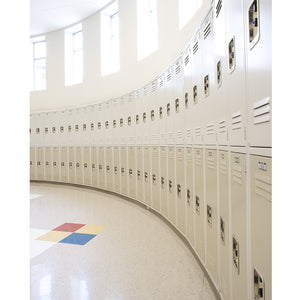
[133,74]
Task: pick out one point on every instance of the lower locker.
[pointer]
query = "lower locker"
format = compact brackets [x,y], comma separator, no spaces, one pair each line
[79,165]
[48,172]
[163,181]
[40,165]
[139,173]
[94,166]
[147,174]
[189,195]
[124,171]
[86,165]
[171,185]
[116,153]
[132,172]
[63,164]
[109,168]
[224,224]
[155,178]
[239,226]
[261,227]
[211,212]
[180,189]
[32,163]
[72,165]
[55,164]
[101,166]
[199,204]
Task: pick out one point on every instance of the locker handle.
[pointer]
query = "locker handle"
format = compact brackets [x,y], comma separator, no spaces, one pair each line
[222,230]
[162,181]
[197,204]
[116,170]
[93,166]
[170,185]
[100,168]
[31,162]
[77,165]
[188,196]
[138,174]
[47,164]
[70,165]
[146,177]
[123,171]
[54,163]
[178,189]
[259,285]
[85,165]
[153,178]
[130,172]
[62,164]
[107,169]
[209,215]
[236,254]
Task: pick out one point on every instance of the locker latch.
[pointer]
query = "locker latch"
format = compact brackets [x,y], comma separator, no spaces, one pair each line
[137,119]
[62,164]
[231,54]
[76,127]
[219,73]
[170,185]
[161,112]
[178,189]
[38,163]
[236,254]
[197,204]
[70,165]
[259,286]
[123,171]
[222,230]
[106,124]
[195,93]
[85,165]
[186,100]
[37,130]
[116,170]
[129,121]
[188,196]
[69,128]
[93,166]
[138,174]
[177,105]
[107,169]
[31,163]
[121,122]
[53,129]
[162,180]
[77,165]
[92,126]
[253,16]
[54,163]
[206,85]
[114,123]
[46,129]
[84,127]
[144,117]
[100,168]
[209,215]
[153,178]
[168,109]
[152,115]
[146,177]
[130,172]
[61,129]
[99,125]
[47,163]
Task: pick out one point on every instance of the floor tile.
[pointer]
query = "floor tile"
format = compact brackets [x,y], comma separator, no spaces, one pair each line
[38,247]
[54,236]
[91,229]
[78,238]
[70,227]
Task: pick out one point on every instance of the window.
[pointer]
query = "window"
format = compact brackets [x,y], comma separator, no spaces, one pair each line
[73,55]
[186,9]
[110,40]
[39,63]
[147,27]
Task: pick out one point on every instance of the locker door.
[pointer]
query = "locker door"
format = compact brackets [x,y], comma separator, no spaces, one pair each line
[124,171]
[199,204]
[116,130]
[239,226]
[138,118]
[101,167]
[261,227]
[94,166]
[132,172]
[211,212]
[140,173]
[171,185]
[64,164]
[180,189]
[48,167]
[131,118]
[154,113]
[79,165]
[189,195]
[169,105]
[87,165]
[40,163]
[224,224]
[116,153]
[55,164]
[155,178]
[109,168]
[147,175]
[161,110]
[164,181]
[108,132]
[32,163]
[72,165]
[145,114]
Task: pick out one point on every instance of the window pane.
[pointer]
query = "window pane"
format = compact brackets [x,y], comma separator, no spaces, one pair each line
[114,24]
[77,41]
[40,74]
[39,49]
[77,67]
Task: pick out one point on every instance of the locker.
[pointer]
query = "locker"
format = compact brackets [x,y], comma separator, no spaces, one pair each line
[116,130]
[224,225]
[239,226]
[124,170]
[140,173]
[94,166]
[180,189]
[117,171]
[70,130]
[54,131]
[261,227]
[147,175]
[145,114]
[153,112]
[259,71]
[87,165]
[48,161]
[72,165]
[130,110]
[32,130]
[132,172]
[189,195]
[85,126]
[64,164]
[102,168]
[47,129]
[122,122]
[211,213]
[138,116]
[155,178]
[108,125]
[170,105]
[78,127]
[164,181]
[62,130]
[93,127]
[199,204]
[40,165]
[33,163]
[99,111]
[161,95]
[79,165]
[109,168]
[171,185]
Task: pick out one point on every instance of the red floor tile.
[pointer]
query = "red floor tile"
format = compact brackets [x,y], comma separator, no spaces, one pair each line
[69,227]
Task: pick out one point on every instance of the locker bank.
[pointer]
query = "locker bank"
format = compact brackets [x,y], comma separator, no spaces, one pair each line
[150,145]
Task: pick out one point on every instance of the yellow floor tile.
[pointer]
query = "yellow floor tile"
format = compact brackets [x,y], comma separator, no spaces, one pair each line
[54,236]
[91,229]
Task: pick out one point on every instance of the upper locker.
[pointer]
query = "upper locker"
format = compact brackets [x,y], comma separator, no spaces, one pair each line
[259,68]
[169,105]
[93,125]
[123,111]
[85,136]
[145,115]
[108,126]
[124,169]
[161,94]
[100,128]
[115,114]
[138,116]
[32,163]
[63,128]
[130,118]
[153,112]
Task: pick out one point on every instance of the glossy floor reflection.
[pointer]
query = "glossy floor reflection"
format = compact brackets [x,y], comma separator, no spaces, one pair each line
[137,256]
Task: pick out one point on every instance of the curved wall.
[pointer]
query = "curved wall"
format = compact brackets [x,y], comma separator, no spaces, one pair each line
[194,144]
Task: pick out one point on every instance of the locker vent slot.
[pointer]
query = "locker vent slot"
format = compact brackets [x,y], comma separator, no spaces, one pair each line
[189,134]
[262,111]
[263,186]
[253,17]
[195,47]
[207,30]
[161,83]
[99,125]
[236,254]
[169,76]
[154,139]
[218,8]
[198,131]
[222,231]
[206,85]
[145,92]
[209,215]
[236,121]
[222,126]
[186,100]
[237,173]
[259,286]
[210,129]
[219,73]
[153,87]
[195,94]
[177,69]
[180,136]
[231,54]
[187,60]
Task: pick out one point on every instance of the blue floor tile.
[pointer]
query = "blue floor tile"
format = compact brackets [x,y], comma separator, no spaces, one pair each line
[78,238]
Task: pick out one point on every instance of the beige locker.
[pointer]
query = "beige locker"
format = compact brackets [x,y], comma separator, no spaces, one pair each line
[132,172]
[211,213]
[63,164]
[32,163]
[40,163]
[239,226]
[189,195]
[155,178]
[48,168]
[116,153]
[163,181]
[72,165]
[101,166]
[199,204]
[79,165]
[94,166]
[109,168]
[140,173]
[261,227]
[147,174]
[180,189]
[171,185]
[124,170]
[224,224]
[86,165]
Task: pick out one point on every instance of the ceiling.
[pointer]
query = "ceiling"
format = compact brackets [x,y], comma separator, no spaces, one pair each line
[50,15]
